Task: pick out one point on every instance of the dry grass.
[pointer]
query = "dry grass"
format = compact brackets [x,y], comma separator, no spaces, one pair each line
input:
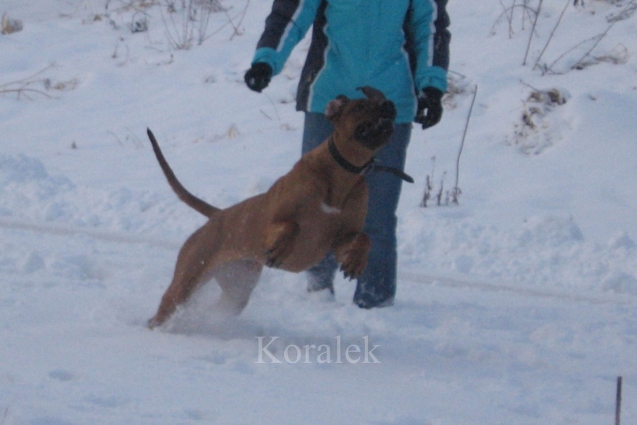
[533,132]
[8,25]
[36,85]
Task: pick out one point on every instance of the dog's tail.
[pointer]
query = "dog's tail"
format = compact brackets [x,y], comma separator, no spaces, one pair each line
[188,198]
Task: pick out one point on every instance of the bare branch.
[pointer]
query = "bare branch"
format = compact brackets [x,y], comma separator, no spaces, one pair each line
[599,39]
[22,87]
[525,8]
[528,46]
[456,190]
[552,34]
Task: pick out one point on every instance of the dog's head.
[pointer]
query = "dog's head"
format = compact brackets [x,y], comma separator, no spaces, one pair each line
[369,121]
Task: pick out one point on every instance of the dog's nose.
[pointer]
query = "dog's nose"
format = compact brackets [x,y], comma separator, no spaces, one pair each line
[384,126]
[388,110]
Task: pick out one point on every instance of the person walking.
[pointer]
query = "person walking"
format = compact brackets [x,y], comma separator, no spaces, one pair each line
[400,47]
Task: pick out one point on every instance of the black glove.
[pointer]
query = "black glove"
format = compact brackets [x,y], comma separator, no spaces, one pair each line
[429,107]
[258,77]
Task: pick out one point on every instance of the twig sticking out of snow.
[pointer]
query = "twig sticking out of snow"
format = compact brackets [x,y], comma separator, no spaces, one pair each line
[455,192]
[618,401]
[24,87]
[568,2]
[528,46]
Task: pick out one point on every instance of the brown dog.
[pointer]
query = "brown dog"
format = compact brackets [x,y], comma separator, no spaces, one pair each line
[320,205]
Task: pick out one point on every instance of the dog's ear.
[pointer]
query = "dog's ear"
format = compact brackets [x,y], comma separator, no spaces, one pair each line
[372,93]
[334,109]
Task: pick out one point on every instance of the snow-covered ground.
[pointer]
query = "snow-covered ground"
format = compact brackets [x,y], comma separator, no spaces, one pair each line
[517,306]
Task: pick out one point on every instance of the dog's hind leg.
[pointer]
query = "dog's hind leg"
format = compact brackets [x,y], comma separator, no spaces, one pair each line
[237,279]
[195,264]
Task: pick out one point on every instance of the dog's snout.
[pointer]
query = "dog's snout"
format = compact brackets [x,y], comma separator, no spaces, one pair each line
[383,123]
[388,110]
[373,132]
[363,131]
[385,126]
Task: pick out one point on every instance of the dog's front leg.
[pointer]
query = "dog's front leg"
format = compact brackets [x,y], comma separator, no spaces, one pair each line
[351,253]
[278,242]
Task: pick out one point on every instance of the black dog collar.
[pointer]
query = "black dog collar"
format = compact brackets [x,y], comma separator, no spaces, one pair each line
[364,170]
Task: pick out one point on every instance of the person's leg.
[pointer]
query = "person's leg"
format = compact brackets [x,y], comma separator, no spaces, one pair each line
[377,285]
[316,129]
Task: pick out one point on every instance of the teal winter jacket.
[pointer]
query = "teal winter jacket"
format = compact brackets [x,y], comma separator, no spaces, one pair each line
[396,46]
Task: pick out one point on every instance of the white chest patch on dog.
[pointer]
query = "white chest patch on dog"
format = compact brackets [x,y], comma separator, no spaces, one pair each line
[329,210]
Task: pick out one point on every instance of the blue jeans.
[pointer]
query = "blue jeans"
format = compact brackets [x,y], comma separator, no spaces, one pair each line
[376,287]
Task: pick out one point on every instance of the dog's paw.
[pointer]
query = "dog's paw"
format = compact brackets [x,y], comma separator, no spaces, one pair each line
[354,265]
[279,241]
[154,322]
[276,255]
[353,256]
[273,260]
